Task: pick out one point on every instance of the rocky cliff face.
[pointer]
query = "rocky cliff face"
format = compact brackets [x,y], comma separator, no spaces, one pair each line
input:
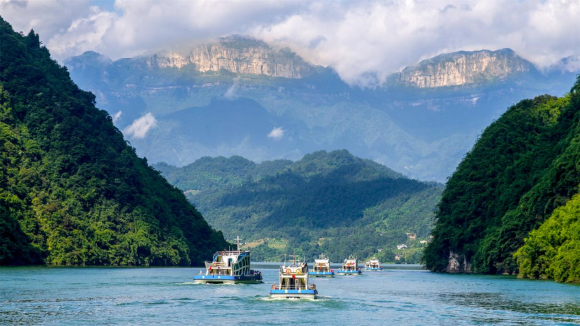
[464,68]
[458,264]
[237,55]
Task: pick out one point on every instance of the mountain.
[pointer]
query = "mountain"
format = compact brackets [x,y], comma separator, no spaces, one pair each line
[238,55]
[465,68]
[72,192]
[327,202]
[421,121]
[511,206]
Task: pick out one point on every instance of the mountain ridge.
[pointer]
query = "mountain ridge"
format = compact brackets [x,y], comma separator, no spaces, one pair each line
[422,132]
[464,68]
[237,55]
[511,206]
[245,55]
[331,202]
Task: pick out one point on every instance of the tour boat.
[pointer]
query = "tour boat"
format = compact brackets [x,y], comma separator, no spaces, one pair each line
[229,267]
[293,282]
[349,267]
[321,268]
[373,265]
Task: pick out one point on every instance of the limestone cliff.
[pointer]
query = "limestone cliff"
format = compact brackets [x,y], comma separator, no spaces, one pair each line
[456,265]
[464,68]
[237,55]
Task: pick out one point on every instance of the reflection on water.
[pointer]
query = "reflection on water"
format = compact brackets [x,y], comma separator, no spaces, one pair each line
[32,295]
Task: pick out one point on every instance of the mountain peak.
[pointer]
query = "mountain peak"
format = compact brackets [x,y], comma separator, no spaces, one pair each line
[464,68]
[237,54]
[242,41]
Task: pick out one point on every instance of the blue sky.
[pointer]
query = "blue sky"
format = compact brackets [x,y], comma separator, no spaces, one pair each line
[108,5]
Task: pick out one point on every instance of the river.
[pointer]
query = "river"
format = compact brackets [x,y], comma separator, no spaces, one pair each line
[52,295]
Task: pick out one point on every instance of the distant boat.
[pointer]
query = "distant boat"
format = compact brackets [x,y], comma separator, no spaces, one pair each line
[373,265]
[349,267]
[321,268]
[229,267]
[293,282]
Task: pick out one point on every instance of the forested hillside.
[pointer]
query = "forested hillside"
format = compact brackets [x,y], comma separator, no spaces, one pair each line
[72,192]
[523,171]
[332,203]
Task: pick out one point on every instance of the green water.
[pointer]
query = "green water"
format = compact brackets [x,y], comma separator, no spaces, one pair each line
[33,295]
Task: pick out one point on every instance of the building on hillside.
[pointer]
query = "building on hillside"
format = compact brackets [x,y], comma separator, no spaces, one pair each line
[401,246]
[423,242]
[412,236]
[397,257]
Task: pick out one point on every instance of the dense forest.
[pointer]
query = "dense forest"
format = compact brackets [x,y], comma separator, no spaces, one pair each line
[521,177]
[332,203]
[72,192]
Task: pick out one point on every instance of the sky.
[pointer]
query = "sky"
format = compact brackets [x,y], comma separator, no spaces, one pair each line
[357,38]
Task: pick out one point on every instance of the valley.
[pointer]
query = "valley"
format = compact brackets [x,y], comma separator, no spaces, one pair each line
[327,202]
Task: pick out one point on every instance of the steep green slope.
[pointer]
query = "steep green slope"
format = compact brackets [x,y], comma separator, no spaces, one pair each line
[553,250]
[71,190]
[332,202]
[525,165]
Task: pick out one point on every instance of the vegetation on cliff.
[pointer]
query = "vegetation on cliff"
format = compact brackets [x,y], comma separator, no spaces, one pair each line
[553,250]
[332,203]
[72,192]
[523,167]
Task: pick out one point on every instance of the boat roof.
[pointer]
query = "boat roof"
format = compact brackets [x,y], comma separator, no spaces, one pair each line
[239,253]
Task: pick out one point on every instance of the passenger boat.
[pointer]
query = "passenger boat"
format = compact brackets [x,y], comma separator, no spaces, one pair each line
[349,267]
[293,282]
[373,265]
[229,267]
[321,268]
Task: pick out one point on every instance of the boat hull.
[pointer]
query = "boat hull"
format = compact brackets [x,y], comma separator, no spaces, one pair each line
[349,272]
[226,279]
[321,274]
[373,269]
[293,294]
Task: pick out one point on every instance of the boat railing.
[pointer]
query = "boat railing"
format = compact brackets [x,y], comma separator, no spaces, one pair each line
[293,287]
[289,271]
[231,252]
[215,264]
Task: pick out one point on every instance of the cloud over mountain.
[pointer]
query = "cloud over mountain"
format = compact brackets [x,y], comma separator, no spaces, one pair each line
[355,38]
[277,133]
[139,128]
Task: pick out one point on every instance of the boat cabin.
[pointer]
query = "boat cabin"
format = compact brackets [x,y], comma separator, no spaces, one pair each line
[350,264]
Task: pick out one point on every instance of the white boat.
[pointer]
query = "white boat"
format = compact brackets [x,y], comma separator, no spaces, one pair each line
[321,268]
[229,267]
[373,265]
[293,282]
[349,267]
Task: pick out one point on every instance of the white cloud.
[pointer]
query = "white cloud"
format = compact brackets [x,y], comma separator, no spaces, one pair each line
[231,93]
[117,116]
[139,128]
[47,17]
[277,133]
[383,37]
[362,40]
